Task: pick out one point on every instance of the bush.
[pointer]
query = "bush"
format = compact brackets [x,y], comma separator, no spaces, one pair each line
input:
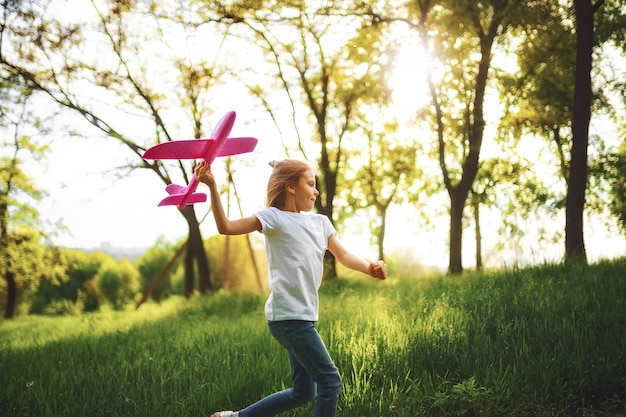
[77,288]
[152,263]
[118,283]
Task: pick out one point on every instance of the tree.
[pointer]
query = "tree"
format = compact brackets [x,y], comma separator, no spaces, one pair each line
[462,36]
[384,179]
[555,92]
[56,59]
[581,115]
[25,256]
[510,187]
[459,37]
[335,63]
[491,172]
[537,95]
[611,15]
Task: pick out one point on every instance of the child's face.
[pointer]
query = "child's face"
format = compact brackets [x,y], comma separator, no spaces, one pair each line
[305,192]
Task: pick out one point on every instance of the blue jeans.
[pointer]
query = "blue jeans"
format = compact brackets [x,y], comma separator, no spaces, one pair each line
[313,373]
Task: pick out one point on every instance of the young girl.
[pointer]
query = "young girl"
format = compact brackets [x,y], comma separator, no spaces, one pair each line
[295,244]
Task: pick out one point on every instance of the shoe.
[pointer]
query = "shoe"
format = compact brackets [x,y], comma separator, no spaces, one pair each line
[226,414]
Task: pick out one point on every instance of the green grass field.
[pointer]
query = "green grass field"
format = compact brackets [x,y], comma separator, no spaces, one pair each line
[542,341]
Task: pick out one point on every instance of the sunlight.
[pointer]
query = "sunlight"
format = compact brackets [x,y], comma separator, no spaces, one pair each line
[408,79]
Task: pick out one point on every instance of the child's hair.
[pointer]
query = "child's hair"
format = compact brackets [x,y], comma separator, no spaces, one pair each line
[286,172]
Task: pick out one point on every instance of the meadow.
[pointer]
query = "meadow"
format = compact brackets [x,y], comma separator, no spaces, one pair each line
[548,340]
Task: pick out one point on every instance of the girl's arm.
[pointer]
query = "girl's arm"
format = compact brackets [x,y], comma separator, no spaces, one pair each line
[348,259]
[224,225]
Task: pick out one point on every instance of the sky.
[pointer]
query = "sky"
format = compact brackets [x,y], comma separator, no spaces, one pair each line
[99,209]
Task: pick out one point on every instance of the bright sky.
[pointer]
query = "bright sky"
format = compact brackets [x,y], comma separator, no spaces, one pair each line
[100,209]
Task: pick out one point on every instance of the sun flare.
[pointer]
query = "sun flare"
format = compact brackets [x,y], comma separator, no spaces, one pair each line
[408,78]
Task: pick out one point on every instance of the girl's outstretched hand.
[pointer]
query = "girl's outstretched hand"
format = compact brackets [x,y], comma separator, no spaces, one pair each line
[204,174]
[378,270]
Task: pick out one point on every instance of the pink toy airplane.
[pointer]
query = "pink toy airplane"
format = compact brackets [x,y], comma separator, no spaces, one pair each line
[208,149]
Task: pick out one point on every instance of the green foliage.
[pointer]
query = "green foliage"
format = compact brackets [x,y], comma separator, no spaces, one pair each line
[31,263]
[231,263]
[385,178]
[462,399]
[541,341]
[617,178]
[78,292]
[150,265]
[610,27]
[118,283]
[88,280]
[26,258]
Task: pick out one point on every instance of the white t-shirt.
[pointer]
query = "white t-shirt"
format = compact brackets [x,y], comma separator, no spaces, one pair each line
[295,247]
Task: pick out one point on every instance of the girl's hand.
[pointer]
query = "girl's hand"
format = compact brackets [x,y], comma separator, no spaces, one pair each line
[204,174]
[378,270]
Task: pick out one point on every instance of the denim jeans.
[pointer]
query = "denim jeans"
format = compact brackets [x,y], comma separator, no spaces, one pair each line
[313,373]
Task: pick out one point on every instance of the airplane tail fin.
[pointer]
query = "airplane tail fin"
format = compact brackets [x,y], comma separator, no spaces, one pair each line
[177,199]
[175,189]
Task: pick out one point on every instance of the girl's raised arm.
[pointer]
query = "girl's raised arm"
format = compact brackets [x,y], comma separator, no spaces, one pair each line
[224,225]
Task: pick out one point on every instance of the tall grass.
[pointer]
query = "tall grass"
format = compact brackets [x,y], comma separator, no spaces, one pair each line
[540,341]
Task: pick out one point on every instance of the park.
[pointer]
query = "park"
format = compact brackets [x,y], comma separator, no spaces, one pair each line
[477,147]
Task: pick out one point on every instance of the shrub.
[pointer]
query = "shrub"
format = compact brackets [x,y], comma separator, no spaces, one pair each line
[119,283]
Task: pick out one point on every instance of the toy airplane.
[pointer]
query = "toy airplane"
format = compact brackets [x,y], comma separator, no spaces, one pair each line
[219,144]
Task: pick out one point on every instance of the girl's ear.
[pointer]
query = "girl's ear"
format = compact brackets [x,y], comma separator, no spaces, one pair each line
[291,189]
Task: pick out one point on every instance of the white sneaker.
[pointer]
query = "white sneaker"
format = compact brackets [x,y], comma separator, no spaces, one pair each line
[226,414]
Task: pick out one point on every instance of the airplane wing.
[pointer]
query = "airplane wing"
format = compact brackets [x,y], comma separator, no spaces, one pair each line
[181,149]
[208,149]
[236,146]
[199,148]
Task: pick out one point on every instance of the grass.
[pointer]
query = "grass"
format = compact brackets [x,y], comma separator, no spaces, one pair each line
[542,341]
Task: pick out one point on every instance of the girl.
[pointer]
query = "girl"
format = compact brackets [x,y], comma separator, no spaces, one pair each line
[295,244]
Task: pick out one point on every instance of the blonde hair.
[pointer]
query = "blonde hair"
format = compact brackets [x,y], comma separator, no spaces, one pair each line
[285,172]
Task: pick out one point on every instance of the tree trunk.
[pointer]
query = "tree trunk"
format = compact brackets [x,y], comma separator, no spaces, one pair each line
[159,279]
[330,263]
[478,233]
[195,252]
[226,264]
[458,195]
[9,311]
[324,202]
[577,184]
[381,233]
[457,203]
[254,263]
[189,272]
